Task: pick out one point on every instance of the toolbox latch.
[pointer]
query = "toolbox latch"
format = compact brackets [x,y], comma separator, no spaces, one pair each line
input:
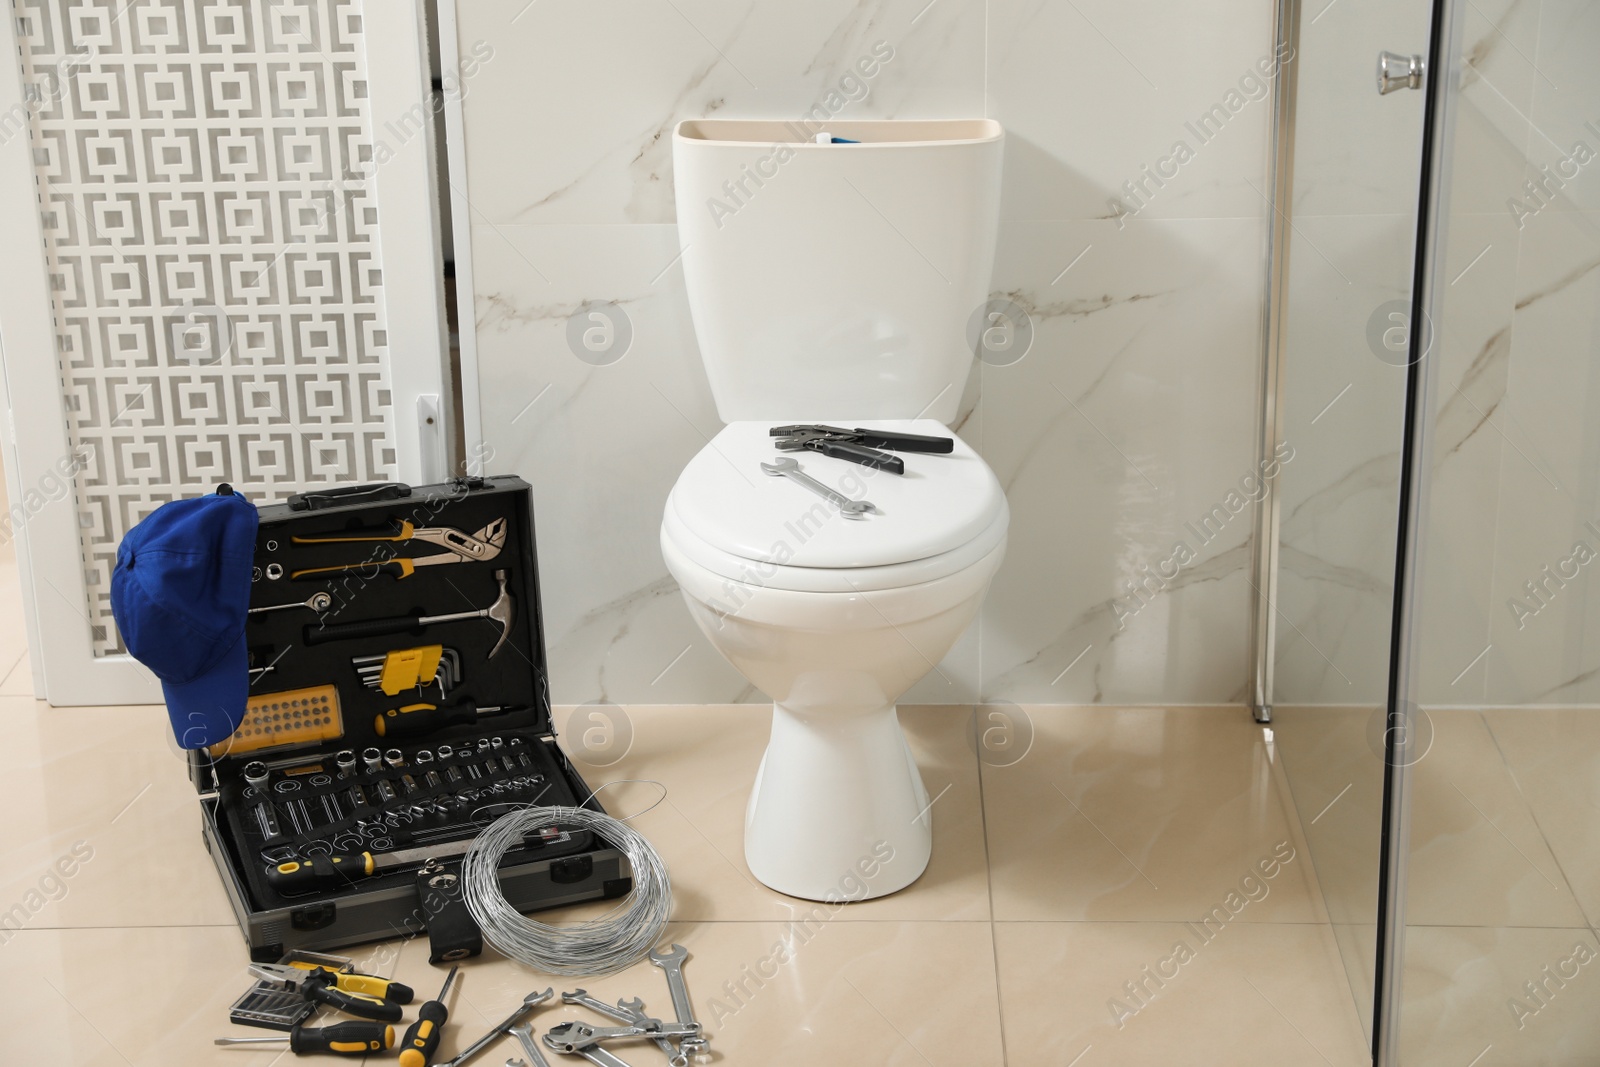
[571,869]
[314,916]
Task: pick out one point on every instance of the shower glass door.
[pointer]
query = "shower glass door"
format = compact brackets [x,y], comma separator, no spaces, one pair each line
[1500,964]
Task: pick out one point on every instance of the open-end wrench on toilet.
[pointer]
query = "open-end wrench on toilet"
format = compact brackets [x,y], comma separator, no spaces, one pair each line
[671,961]
[786,467]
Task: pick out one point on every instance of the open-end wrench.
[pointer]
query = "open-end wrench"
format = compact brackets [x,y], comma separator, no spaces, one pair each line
[527,1005]
[594,1054]
[620,1013]
[786,467]
[524,1036]
[635,1007]
[671,961]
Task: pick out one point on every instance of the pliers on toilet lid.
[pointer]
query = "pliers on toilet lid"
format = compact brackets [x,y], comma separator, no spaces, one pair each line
[459,547]
[858,445]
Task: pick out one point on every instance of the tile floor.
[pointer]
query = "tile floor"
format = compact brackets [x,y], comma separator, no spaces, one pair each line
[1057,880]
[1503,877]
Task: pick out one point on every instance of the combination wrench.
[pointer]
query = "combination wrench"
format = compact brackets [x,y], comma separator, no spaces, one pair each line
[524,1036]
[786,467]
[671,961]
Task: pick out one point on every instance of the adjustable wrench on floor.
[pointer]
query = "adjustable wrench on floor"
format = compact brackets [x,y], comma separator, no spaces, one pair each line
[594,1054]
[631,1013]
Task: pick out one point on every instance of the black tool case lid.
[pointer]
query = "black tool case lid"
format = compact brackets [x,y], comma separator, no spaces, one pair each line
[516,675]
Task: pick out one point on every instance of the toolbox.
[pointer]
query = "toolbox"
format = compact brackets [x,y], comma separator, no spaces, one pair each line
[399,703]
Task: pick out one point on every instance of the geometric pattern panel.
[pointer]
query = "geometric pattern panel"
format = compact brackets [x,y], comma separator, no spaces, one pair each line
[204,176]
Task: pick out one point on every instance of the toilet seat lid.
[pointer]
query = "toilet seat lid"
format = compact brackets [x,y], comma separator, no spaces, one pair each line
[941,502]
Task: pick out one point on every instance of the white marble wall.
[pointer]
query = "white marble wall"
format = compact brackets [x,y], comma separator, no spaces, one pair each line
[1133,414]
[1516,462]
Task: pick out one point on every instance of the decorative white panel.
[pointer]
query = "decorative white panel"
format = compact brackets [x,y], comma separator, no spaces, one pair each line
[204,174]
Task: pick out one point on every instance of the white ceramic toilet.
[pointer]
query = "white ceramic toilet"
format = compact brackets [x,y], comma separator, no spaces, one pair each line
[834,283]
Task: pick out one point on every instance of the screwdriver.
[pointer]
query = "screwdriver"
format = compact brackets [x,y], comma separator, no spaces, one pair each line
[422,1039]
[415,719]
[342,1039]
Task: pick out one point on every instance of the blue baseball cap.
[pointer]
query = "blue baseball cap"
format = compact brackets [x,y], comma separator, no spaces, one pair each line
[181,596]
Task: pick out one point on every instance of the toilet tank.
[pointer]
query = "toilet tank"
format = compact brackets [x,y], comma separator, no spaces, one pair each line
[837,281]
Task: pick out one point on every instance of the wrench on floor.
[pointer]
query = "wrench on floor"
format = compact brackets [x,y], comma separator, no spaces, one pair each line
[786,467]
[671,961]
[595,1054]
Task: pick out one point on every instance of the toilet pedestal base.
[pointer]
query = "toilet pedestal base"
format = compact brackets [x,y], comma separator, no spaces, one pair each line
[839,811]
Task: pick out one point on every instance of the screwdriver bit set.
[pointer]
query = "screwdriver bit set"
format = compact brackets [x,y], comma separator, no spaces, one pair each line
[398,704]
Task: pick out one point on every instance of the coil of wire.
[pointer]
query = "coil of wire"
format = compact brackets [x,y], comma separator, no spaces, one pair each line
[603,945]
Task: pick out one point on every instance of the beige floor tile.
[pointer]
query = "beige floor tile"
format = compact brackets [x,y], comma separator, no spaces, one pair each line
[1554,755]
[706,757]
[13,634]
[1140,814]
[1478,857]
[1264,993]
[893,993]
[1461,984]
[1336,779]
[111,779]
[124,996]
[18,681]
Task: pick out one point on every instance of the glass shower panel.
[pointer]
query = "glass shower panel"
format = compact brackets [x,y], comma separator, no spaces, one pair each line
[1503,887]
[1352,229]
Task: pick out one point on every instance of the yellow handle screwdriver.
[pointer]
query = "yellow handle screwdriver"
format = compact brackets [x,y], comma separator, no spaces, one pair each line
[422,1039]
[342,1039]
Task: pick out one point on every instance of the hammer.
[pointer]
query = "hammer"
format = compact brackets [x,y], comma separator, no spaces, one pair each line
[500,612]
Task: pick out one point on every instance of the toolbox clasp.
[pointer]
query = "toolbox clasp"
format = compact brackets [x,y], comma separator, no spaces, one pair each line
[314,916]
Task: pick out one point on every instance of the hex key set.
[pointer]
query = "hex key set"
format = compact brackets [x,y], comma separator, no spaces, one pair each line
[398,704]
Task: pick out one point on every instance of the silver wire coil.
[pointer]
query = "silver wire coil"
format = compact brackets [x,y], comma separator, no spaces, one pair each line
[603,945]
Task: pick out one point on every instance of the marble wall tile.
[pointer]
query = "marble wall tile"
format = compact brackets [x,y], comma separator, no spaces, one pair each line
[572,121]
[1566,107]
[1548,649]
[1342,415]
[1153,335]
[1092,93]
[1128,420]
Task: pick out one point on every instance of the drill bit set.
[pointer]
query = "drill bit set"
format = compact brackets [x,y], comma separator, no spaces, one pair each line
[398,703]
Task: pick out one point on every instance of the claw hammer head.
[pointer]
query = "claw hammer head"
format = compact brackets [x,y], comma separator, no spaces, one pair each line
[501,611]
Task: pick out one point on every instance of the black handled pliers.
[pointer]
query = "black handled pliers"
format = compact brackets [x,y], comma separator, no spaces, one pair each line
[858,445]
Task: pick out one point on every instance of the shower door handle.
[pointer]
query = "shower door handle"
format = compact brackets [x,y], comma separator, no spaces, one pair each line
[1396,71]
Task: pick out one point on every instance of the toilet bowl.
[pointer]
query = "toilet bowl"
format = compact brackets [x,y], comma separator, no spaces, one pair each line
[834,619]
[836,276]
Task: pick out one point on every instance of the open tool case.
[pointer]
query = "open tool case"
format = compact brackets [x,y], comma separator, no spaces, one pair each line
[345,771]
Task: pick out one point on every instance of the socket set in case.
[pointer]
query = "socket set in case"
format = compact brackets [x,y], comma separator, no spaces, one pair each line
[399,704]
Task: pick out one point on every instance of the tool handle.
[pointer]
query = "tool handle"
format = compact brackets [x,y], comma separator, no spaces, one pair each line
[371,985]
[867,457]
[422,1039]
[400,567]
[413,720]
[319,872]
[342,1039]
[905,442]
[398,530]
[354,1003]
[346,631]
